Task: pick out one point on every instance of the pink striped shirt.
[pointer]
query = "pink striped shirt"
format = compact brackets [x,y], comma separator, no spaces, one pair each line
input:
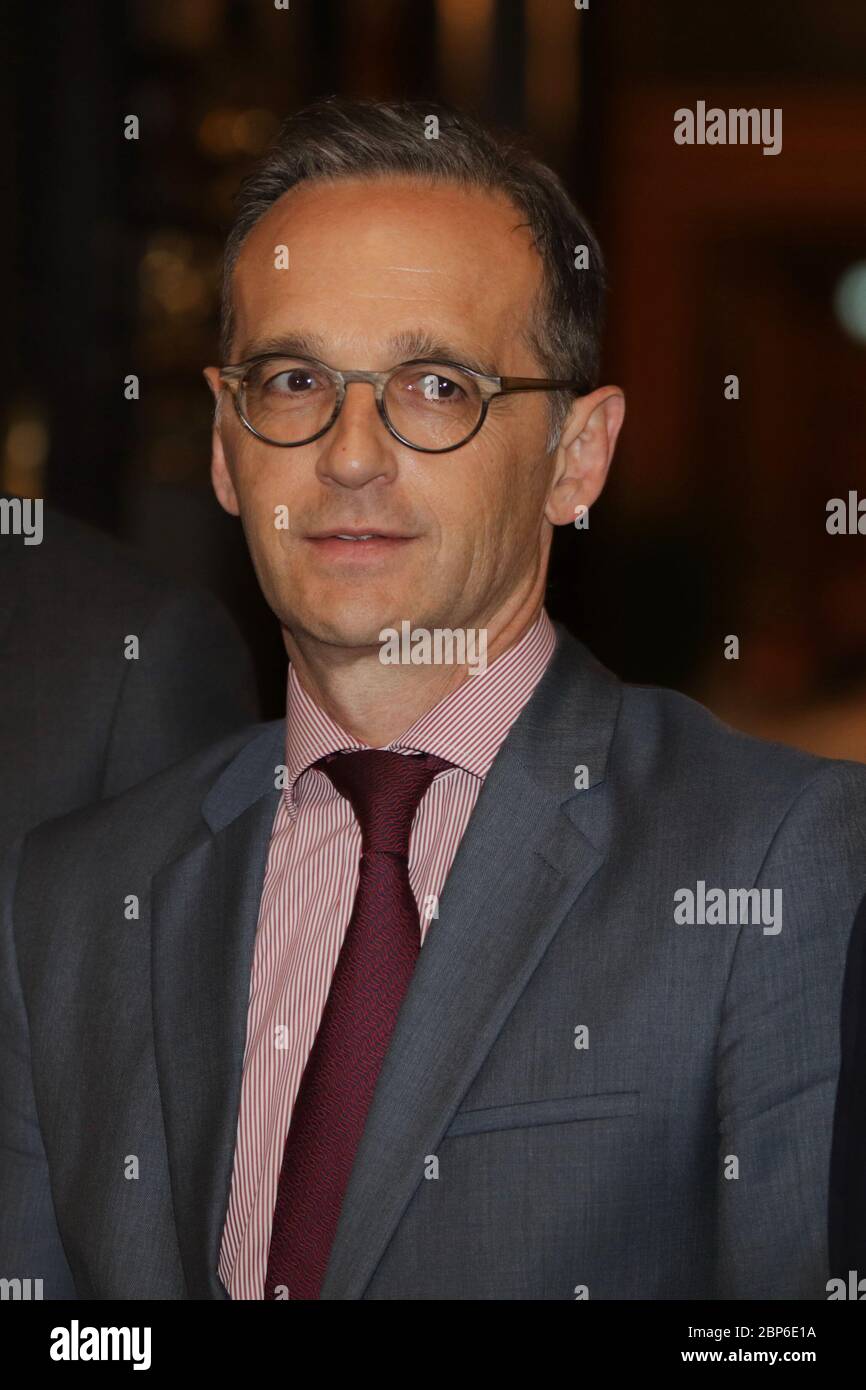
[309,888]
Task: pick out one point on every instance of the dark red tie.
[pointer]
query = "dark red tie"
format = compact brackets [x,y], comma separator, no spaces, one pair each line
[372,974]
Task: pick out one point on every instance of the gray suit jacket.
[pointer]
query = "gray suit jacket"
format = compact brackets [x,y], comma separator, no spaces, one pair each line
[678,1148]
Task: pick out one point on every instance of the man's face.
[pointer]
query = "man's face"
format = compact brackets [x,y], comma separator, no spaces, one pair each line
[371,261]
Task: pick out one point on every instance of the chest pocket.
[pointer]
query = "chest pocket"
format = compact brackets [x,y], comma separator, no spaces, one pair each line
[544,1112]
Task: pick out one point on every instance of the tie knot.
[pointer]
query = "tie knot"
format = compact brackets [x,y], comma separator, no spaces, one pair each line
[385,789]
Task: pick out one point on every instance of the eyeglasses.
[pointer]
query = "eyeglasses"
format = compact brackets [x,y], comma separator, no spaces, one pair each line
[433,407]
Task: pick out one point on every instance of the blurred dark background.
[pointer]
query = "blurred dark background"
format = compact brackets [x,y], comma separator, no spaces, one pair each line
[721,260]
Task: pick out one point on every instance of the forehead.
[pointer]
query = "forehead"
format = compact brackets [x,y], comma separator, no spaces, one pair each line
[369,258]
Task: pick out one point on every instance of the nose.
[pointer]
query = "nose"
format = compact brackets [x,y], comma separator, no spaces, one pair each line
[357,448]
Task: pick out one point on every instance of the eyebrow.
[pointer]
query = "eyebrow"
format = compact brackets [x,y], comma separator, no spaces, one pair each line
[401,347]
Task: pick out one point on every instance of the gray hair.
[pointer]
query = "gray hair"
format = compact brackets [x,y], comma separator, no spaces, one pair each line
[346,138]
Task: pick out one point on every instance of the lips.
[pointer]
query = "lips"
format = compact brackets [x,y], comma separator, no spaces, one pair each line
[353,533]
[358,544]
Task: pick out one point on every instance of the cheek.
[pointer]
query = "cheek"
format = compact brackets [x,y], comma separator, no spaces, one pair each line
[266,485]
[265,511]
[504,480]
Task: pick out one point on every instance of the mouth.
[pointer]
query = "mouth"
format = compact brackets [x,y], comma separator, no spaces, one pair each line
[358,542]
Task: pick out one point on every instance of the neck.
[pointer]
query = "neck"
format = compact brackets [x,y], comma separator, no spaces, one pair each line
[375,702]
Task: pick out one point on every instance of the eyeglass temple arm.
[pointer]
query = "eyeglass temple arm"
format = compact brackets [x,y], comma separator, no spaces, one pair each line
[534,383]
[234,373]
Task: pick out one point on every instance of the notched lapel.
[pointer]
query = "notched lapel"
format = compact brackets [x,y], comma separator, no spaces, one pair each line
[204,916]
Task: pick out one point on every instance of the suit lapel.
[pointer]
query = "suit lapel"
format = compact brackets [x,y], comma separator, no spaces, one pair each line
[521,865]
[204,916]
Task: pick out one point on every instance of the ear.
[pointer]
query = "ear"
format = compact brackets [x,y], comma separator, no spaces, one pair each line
[584,453]
[219,470]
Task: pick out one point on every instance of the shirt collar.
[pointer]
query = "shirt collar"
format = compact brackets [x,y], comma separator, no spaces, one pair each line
[466,728]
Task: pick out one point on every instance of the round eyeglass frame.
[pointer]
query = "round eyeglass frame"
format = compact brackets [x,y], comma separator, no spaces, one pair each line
[234,377]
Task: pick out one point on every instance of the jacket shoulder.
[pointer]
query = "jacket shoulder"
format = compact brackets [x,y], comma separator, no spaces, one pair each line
[675,741]
[154,819]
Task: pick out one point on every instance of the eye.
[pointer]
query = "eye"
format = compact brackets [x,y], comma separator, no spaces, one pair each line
[292,381]
[429,385]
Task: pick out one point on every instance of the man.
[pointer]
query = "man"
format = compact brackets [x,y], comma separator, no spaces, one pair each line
[84,713]
[484,976]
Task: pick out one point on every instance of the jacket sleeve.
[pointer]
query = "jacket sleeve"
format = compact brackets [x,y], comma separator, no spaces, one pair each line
[30,1243]
[778,1057]
[191,685]
[848,1158]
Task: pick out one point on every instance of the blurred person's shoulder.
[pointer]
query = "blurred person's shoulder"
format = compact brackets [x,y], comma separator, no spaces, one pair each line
[113,670]
[79,592]
[73,559]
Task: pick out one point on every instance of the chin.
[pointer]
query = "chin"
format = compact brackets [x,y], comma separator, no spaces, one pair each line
[339,628]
